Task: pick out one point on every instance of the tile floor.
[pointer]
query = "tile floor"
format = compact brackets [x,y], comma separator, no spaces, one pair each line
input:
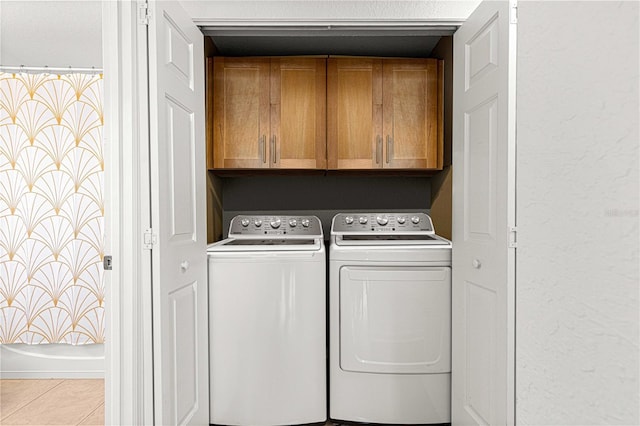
[52,402]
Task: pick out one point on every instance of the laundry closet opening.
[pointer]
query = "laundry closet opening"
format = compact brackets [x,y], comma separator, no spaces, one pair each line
[326,190]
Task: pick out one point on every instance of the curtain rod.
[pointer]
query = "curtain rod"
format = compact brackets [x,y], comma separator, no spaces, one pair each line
[61,70]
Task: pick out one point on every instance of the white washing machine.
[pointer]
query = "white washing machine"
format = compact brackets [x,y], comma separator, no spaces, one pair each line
[267,321]
[389,320]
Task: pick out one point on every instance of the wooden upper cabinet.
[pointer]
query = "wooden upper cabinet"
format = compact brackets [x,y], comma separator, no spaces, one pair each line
[384,113]
[269,113]
[317,113]
[412,110]
[354,113]
[241,122]
[298,116]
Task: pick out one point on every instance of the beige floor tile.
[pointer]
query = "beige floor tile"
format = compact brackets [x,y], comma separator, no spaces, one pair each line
[69,403]
[16,393]
[96,418]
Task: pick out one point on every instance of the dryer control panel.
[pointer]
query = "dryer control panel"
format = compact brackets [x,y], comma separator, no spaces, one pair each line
[387,223]
[276,226]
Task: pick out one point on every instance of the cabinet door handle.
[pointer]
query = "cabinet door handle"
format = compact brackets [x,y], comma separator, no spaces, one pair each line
[378,148]
[389,148]
[273,150]
[262,146]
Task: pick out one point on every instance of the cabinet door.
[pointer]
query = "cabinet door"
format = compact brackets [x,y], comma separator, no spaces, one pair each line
[354,113]
[208,91]
[298,116]
[241,112]
[412,110]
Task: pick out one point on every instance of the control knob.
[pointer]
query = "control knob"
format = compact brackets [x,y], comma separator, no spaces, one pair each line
[415,219]
[257,223]
[348,220]
[382,220]
[402,220]
[293,223]
[362,220]
[275,224]
[305,223]
[245,222]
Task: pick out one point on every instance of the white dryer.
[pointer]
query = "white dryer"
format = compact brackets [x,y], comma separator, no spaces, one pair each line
[267,322]
[389,320]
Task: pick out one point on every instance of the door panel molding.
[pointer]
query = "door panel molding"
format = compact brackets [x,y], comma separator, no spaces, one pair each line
[184,327]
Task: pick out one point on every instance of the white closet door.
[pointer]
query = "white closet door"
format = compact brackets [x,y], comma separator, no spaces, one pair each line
[180,323]
[484,213]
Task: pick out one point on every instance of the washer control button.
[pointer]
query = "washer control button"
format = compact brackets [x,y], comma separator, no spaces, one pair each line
[305,223]
[415,219]
[245,222]
[362,220]
[257,223]
[275,224]
[348,220]
[293,223]
[402,220]
[382,220]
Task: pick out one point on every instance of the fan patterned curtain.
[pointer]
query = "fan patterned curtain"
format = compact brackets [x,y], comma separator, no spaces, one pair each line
[51,209]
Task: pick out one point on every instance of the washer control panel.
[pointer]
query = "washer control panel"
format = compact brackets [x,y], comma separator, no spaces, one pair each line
[388,223]
[280,226]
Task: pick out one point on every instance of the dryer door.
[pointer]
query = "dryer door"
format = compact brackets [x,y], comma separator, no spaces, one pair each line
[395,319]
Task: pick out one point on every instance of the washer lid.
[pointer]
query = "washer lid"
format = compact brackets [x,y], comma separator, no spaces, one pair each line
[268,242]
[265,245]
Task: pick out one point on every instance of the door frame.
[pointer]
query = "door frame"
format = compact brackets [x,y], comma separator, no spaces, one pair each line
[129,345]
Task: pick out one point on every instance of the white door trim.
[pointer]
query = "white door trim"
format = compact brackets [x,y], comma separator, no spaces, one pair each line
[128,347]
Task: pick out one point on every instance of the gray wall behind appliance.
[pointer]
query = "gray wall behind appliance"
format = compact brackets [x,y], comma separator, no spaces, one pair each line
[55,33]
[322,196]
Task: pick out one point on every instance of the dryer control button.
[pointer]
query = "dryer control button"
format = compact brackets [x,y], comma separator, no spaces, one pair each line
[293,223]
[348,220]
[415,219]
[245,222]
[382,220]
[257,223]
[363,220]
[275,224]
[305,223]
[402,220]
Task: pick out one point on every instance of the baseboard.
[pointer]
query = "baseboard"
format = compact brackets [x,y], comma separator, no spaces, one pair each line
[51,361]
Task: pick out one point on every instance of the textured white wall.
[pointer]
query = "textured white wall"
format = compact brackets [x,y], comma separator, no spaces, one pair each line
[57,33]
[328,10]
[578,250]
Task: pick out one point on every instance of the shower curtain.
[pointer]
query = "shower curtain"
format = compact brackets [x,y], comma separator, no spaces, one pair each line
[51,209]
